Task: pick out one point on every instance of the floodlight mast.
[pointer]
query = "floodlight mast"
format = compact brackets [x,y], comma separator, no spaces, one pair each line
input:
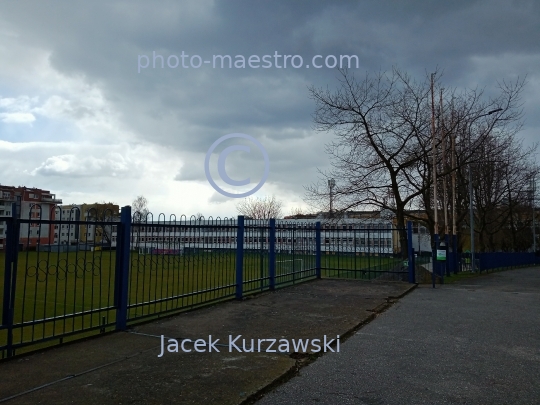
[533,201]
[471,189]
[331,185]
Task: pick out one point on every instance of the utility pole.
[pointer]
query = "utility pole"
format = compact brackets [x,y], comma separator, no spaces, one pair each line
[453,163]
[434,152]
[471,196]
[453,140]
[445,166]
[533,191]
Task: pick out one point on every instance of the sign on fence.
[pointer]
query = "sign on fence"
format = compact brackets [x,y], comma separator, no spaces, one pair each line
[441,254]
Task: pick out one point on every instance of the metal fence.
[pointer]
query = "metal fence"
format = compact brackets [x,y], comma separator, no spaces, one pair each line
[504,260]
[456,262]
[120,271]
[55,293]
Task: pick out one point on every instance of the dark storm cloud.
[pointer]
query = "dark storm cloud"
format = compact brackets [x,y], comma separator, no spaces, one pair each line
[476,42]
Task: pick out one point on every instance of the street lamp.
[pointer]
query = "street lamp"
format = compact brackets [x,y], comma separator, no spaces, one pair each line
[331,185]
[533,200]
[471,189]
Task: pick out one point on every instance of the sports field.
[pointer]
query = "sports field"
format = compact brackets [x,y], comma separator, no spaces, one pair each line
[58,294]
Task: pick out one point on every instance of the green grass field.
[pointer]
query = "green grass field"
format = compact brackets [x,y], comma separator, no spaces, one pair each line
[60,289]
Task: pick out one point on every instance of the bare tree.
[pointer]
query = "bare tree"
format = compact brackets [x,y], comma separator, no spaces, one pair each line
[260,208]
[382,126]
[103,213]
[139,208]
[484,132]
[502,196]
[382,155]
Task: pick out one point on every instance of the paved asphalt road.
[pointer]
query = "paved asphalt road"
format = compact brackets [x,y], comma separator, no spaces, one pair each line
[477,342]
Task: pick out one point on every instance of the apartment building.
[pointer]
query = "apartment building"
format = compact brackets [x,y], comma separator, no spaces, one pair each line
[7,198]
[92,231]
[31,203]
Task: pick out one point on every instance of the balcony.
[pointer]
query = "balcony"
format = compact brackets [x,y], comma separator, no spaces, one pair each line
[53,200]
[7,198]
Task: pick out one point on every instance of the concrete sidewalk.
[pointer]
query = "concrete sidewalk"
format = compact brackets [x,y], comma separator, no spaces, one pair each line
[124,368]
[474,342]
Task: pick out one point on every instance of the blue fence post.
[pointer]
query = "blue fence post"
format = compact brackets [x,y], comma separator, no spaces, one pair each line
[272,254]
[434,259]
[10,276]
[318,248]
[240,258]
[410,252]
[448,259]
[479,258]
[455,253]
[122,268]
[440,266]
[10,251]
[369,252]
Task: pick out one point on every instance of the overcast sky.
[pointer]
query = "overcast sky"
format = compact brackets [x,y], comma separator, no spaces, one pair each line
[80,118]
